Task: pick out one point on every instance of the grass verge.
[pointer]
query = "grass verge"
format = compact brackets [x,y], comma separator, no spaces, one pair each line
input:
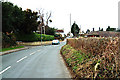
[10,48]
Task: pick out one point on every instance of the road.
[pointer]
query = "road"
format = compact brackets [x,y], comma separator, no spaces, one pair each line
[36,62]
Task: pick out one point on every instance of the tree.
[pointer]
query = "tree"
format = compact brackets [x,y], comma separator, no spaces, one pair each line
[18,21]
[87,31]
[93,29]
[75,29]
[118,30]
[43,21]
[19,18]
[8,17]
[30,23]
[83,32]
[48,15]
[49,30]
[110,29]
[101,29]
[12,17]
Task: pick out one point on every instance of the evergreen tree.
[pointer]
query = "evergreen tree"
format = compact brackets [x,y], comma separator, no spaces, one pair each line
[75,29]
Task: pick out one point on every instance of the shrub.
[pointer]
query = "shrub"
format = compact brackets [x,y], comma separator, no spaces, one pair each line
[8,40]
[33,37]
[93,57]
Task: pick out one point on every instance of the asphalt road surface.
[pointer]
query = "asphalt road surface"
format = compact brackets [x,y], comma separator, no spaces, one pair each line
[36,62]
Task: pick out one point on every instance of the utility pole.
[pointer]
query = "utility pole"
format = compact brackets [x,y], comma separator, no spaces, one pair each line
[41,27]
[70,24]
[41,35]
[44,29]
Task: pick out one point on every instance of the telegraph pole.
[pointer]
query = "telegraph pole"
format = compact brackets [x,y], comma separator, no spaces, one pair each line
[44,29]
[41,35]
[70,24]
[41,28]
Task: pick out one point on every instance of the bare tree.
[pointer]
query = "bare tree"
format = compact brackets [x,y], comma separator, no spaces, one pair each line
[42,20]
[41,17]
[48,15]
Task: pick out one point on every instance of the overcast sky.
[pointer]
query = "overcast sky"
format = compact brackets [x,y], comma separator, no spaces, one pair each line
[87,13]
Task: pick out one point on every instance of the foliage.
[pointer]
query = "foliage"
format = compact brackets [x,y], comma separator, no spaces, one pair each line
[101,29]
[47,37]
[118,30]
[99,57]
[16,20]
[33,37]
[50,31]
[8,40]
[87,31]
[110,29]
[75,29]
[12,17]
[57,35]
[30,23]
[93,29]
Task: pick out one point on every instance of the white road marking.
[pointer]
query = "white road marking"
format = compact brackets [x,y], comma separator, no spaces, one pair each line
[5,69]
[21,59]
[55,45]
[32,53]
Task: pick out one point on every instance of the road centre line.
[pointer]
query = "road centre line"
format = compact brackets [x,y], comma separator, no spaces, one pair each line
[5,69]
[32,53]
[21,59]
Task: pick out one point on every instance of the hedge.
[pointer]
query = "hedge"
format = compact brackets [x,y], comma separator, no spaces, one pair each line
[100,57]
[33,37]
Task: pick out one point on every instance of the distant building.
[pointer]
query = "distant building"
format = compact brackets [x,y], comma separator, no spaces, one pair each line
[103,34]
[60,31]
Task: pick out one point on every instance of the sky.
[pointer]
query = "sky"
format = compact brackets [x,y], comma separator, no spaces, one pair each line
[87,14]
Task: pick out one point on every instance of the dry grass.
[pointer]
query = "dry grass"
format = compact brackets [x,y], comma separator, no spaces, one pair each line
[100,57]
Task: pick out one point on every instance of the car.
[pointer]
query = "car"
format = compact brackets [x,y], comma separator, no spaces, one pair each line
[55,42]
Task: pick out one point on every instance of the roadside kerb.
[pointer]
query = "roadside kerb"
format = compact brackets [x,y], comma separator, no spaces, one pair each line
[14,50]
[24,44]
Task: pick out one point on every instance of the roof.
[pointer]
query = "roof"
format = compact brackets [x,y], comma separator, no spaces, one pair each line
[105,33]
[60,31]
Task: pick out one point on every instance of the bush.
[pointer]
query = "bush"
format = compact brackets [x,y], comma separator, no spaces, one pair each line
[33,37]
[93,57]
[8,40]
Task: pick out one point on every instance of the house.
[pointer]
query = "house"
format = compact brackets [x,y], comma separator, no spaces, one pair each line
[60,31]
[103,34]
